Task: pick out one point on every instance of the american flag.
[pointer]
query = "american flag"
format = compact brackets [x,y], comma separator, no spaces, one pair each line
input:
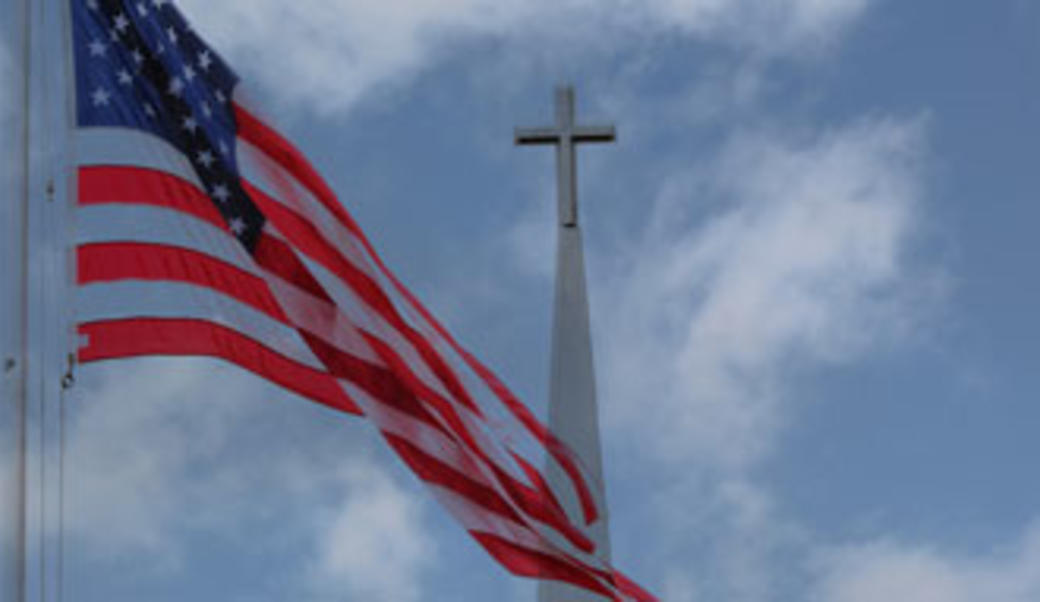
[202,231]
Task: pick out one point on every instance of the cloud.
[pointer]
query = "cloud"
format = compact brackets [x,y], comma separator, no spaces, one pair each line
[144,446]
[679,587]
[788,252]
[161,449]
[790,26]
[328,54]
[886,570]
[376,548]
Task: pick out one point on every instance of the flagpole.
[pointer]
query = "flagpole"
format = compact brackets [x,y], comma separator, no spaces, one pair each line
[23,385]
[18,366]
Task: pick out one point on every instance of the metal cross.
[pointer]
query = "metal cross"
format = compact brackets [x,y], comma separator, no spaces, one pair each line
[565,135]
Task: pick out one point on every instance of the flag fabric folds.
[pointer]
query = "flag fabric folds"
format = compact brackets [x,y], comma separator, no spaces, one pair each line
[202,231]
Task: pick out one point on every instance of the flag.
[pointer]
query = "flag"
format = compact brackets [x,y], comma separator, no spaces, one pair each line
[202,231]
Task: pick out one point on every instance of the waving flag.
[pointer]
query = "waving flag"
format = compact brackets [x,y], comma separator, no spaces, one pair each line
[203,232]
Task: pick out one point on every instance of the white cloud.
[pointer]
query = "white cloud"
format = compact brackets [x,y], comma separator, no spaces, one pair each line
[790,252]
[679,587]
[794,25]
[885,570]
[376,548]
[327,54]
[146,445]
[160,449]
[784,254]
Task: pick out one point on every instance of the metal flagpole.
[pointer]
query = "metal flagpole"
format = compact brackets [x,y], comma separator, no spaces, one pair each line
[16,324]
[23,377]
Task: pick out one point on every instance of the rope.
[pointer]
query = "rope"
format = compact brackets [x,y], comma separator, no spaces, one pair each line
[67,382]
[64,28]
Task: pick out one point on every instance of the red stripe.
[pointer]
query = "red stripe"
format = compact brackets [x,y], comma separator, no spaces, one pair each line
[137,337]
[278,258]
[540,484]
[109,262]
[283,152]
[140,186]
[378,382]
[433,470]
[631,588]
[525,562]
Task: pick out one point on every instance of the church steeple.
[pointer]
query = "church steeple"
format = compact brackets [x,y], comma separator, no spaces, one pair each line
[573,411]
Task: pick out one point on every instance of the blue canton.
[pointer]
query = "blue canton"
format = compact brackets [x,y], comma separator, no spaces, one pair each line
[139,65]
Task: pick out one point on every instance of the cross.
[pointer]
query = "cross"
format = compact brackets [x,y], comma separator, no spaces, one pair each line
[565,135]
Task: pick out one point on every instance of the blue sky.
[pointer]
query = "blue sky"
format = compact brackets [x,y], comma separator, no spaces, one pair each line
[811,261]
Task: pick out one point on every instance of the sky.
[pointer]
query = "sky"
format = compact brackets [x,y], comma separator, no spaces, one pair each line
[813,290]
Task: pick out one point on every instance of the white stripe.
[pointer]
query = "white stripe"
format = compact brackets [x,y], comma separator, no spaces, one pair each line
[177,300]
[321,319]
[131,148]
[159,225]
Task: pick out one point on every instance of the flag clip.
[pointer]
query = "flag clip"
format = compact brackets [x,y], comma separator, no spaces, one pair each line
[69,379]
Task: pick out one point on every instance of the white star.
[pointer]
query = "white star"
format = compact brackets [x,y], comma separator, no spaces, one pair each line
[159,3]
[205,60]
[137,57]
[92,4]
[113,35]
[220,97]
[125,78]
[190,124]
[142,9]
[101,97]
[121,23]
[208,112]
[206,159]
[98,48]
[189,73]
[221,193]
[238,226]
[172,34]
[149,111]
[176,86]
[224,150]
